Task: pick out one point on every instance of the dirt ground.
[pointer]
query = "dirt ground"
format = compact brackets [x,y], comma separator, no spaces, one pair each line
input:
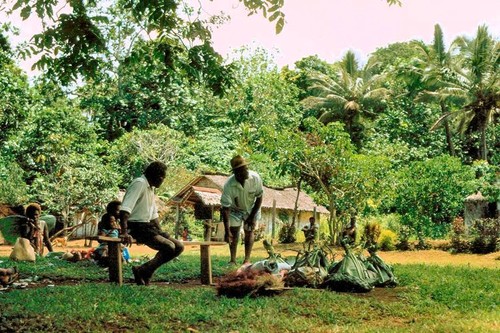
[432,257]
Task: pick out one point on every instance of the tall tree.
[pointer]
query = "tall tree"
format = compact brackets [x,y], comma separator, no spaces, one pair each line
[348,97]
[72,41]
[475,81]
[15,96]
[435,75]
[317,156]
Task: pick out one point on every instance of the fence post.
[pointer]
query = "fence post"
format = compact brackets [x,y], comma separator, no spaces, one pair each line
[273,221]
[316,218]
[177,221]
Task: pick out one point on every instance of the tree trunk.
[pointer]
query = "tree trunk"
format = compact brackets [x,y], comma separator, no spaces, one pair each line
[451,148]
[296,203]
[332,222]
[484,149]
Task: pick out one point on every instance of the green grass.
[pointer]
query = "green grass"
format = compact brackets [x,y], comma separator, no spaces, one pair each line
[429,299]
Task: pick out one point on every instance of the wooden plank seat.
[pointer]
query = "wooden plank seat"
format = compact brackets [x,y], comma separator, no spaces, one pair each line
[116,267]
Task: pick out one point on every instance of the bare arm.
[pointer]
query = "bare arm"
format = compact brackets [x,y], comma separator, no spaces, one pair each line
[127,239]
[46,238]
[256,206]
[225,218]
[156,222]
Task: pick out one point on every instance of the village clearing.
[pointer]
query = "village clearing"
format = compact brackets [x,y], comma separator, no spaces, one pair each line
[430,257]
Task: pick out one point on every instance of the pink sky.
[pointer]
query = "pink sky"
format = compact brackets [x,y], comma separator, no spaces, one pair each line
[329,28]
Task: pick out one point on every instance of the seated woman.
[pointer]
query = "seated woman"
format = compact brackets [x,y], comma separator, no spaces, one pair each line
[35,230]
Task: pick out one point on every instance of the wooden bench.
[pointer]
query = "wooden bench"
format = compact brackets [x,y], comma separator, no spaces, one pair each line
[116,267]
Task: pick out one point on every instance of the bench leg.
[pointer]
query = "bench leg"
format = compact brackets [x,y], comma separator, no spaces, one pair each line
[115,263]
[206,265]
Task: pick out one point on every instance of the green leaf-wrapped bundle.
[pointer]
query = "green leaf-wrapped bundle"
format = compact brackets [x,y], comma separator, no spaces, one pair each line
[383,271]
[309,270]
[350,274]
[9,227]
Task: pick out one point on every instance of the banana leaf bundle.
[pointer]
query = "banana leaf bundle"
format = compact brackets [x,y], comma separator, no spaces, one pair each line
[274,264]
[383,272]
[50,220]
[310,268]
[350,274]
[9,226]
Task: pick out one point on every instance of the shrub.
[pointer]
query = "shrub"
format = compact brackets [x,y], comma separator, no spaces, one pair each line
[430,194]
[404,243]
[324,230]
[458,242]
[486,233]
[300,237]
[386,221]
[387,240]
[287,233]
[186,220]
[371,234]
[13,189]
[440,244]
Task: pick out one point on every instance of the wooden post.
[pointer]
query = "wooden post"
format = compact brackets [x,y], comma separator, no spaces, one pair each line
[206,265]
[273,232]
[207,230]
[115,262]
[177,220]
[318,223]
[211,225]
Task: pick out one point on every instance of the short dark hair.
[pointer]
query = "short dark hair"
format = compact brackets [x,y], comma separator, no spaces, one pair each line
[19,210]
[111,207]
[32,208]
[155,170]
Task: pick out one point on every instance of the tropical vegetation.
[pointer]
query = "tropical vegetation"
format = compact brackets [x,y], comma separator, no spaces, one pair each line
[362,139]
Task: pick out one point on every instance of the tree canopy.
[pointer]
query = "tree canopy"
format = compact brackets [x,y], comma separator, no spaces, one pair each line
[351,135]
[74,39]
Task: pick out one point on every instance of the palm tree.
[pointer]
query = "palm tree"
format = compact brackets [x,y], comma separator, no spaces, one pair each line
[433,72]
[346,96]
[474,80]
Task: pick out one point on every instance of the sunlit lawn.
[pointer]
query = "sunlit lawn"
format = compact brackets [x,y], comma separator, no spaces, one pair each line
[429,299]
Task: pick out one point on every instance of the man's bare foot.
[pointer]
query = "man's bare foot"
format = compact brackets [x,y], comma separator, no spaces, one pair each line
[140,280]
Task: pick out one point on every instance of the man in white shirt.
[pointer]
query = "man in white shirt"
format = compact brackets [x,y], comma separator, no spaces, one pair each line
[139,215]
[241,201]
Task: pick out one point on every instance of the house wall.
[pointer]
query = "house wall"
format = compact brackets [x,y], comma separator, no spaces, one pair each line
[267,218]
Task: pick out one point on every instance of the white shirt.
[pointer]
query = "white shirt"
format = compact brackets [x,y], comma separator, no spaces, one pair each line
[139,201]
[240,199]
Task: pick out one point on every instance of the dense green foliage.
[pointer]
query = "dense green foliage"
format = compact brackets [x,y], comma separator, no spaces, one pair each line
[431,193]
[352,135]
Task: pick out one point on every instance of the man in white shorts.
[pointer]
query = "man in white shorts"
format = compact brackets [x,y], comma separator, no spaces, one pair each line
[241,200]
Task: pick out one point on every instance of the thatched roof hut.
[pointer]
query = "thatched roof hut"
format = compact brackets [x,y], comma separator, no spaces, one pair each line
[204,194]
[207,190]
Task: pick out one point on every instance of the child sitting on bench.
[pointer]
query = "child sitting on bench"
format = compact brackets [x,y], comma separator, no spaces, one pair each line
[109,226]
